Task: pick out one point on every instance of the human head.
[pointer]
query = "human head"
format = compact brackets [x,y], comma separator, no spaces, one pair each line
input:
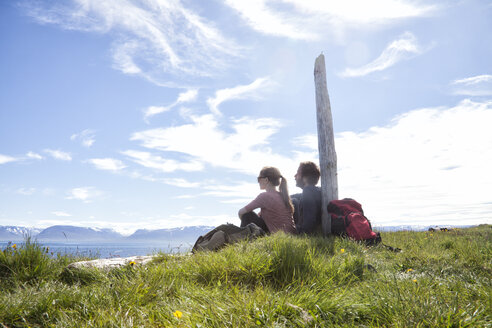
[272,174]
[307,174]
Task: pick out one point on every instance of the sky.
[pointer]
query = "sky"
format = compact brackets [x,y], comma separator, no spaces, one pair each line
[159,114]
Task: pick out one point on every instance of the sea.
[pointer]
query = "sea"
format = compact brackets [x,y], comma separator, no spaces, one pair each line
[102,250]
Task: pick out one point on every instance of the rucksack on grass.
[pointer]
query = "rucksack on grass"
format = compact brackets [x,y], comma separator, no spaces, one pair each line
[347,219]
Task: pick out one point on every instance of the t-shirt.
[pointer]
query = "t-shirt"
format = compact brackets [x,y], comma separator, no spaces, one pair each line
[273,211]
[308,210]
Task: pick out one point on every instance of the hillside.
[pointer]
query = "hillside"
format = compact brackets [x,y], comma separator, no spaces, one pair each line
[440,279]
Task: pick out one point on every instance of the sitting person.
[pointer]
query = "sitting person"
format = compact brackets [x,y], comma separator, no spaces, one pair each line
[276,207]
[307,214]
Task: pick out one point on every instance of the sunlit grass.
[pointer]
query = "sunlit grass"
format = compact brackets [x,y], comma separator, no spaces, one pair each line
[440,279]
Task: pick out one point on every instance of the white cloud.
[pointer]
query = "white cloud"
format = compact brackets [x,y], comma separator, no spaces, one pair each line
[474,79]
[480,85]
[6,159]
[249,91]
[160,37]
[187,96]
[86,137]
[245,147]
[185,197]
[233,192]
[58,154]
[153,110]
[30,155]
[149,160]
[242,190]
[123,54]
[85,194]
[306,141]
[61,213]
[34,155]
[109,164]
[182,183]
[26,191]
[403,48]
[312,19]
[266,20]
[183,97]
[429,166]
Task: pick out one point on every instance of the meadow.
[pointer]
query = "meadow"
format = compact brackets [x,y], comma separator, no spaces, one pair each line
[439,279]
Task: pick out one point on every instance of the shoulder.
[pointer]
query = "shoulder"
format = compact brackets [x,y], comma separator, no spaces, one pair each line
[311,191]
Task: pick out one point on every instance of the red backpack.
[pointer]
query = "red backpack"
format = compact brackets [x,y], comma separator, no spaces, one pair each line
[347,218]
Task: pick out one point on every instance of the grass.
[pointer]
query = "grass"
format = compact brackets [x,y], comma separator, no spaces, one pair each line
[440,279]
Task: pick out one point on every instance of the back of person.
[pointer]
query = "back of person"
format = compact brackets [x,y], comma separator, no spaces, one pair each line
[276,205]
[273,211]
[307,205]
[308,210]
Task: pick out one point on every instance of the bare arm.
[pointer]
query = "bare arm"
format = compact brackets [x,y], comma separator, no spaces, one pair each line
[242,212]
[256,203]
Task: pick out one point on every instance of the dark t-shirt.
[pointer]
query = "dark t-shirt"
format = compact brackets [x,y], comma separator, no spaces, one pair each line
[307,215]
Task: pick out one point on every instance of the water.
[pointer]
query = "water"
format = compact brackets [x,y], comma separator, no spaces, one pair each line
[108,250]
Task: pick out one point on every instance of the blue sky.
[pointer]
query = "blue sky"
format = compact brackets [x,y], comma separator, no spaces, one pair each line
[157,114]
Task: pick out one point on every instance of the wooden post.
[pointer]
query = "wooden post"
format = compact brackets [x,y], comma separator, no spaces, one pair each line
[326,143]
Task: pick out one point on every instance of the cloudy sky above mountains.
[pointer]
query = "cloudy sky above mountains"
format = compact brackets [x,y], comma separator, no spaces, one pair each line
[156,114]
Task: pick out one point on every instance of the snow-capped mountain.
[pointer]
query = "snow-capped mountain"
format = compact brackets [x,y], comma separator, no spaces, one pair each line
[13,233]
[70,233]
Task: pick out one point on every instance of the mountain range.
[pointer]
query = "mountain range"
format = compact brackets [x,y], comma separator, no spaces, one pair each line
[65,233]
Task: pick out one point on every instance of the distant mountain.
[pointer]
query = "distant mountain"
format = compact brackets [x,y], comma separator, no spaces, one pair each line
[13,233]
[66,233]
[183,234]
[73,234]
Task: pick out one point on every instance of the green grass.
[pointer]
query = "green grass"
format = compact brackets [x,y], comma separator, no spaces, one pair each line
[440,279]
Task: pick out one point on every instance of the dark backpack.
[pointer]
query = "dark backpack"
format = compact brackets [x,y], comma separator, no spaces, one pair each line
[347,219]
[226,234]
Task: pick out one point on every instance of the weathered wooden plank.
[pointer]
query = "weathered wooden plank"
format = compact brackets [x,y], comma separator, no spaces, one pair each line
[326,142]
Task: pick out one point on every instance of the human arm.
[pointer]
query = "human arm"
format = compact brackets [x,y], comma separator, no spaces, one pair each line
[256,203]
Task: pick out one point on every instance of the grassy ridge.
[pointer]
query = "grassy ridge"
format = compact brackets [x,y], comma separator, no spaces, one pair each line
[440,279]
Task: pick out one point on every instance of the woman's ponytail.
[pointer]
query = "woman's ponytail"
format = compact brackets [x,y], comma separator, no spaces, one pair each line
[284,190]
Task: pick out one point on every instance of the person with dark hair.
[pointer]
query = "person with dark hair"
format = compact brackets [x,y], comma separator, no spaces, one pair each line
[307,214]
[276,206]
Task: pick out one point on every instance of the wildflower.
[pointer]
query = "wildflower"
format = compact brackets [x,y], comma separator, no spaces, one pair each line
[414,280]
[410,270]
[14,246]
[178,314]
[132,263]
[342,250]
